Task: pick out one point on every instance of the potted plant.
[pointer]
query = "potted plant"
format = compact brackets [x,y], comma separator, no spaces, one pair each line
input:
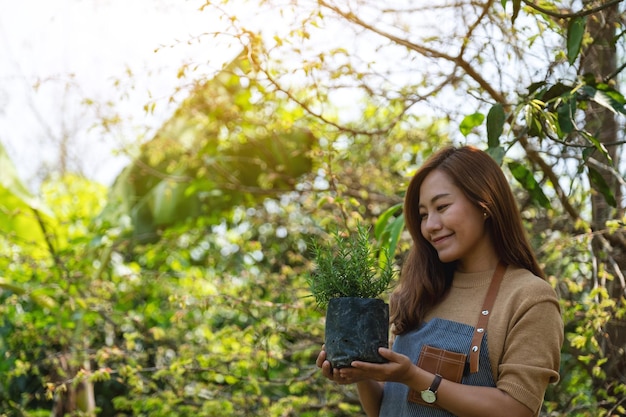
[348,280]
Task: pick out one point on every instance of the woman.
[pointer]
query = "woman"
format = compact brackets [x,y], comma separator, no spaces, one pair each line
[468,240]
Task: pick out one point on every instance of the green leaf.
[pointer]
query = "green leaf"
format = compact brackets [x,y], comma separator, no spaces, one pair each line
[348,266]
[9,286]
[525,177]
[495,125]
[604,100]
[395,230]
[557,90]
[516,8]
[575,33]
[606,97]
[497,154]
[601,185]
[388,231]
[470,122]
[391,237]
[382,223]
[536,86]
[599,146]
[565,112]
[617,99]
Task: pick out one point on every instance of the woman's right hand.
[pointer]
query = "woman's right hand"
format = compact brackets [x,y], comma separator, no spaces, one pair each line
[329,373]
[370,391]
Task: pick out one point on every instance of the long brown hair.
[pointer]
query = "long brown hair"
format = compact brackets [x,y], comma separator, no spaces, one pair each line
[425,279]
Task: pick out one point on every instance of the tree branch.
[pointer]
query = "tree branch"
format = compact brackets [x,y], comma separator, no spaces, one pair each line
[580,13]
[615,73]
[253,57]
[427,52]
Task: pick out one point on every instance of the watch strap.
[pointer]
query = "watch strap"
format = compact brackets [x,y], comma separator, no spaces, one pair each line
[434,386]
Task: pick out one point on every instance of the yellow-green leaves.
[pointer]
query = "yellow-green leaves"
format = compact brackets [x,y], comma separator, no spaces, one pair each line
[22,216]
[470,122]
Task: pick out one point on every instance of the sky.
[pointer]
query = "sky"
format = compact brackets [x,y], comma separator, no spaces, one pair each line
[55,55]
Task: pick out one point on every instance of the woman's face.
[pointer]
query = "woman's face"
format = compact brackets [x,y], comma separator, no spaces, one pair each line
[454,225]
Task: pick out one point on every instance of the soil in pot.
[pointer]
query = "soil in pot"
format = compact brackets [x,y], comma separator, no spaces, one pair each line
[355,329]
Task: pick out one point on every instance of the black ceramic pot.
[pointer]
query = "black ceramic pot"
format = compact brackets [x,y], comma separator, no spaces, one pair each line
[355,329]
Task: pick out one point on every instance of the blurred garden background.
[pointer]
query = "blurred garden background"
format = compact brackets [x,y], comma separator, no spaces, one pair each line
[170,281]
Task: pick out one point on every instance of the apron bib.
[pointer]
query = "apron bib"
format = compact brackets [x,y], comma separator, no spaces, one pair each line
[443,334]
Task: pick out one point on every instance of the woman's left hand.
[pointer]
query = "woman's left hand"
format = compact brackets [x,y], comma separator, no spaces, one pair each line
[398,369]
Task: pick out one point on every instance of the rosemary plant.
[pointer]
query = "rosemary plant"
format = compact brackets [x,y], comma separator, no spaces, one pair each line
[349,266]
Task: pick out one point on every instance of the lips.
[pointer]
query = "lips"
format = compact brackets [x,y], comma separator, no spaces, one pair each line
[439,239]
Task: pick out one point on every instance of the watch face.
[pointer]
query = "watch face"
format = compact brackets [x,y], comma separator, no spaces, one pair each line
[428,396]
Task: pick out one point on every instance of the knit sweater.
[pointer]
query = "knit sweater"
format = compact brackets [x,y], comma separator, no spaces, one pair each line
[524,333]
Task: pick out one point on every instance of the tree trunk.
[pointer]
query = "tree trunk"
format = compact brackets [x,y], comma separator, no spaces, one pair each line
[600,60]
[74,398]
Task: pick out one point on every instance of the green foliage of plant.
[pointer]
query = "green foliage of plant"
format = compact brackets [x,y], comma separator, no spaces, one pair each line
[592,318]
[349,266]
[212,319]
[181,329]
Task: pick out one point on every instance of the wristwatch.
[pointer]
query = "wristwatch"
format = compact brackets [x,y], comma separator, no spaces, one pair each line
[430,395]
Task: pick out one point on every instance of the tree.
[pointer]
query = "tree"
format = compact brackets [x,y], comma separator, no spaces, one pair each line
[216,152]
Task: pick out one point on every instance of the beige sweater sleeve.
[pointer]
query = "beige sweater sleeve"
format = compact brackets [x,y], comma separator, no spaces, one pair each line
[531,344]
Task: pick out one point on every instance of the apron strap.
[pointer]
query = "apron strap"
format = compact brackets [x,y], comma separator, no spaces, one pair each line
[483,318]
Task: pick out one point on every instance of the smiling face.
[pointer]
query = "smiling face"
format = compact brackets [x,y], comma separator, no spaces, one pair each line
[453,225]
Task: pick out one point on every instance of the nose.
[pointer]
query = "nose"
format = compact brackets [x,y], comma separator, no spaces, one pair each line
[431,223]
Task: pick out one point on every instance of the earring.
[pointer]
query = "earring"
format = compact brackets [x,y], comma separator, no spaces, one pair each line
[485,214]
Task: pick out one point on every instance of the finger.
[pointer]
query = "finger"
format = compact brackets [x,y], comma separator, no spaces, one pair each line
[389,354]
[320,359]
[362,367]
[342,379]
[351,375]
[327,370]
[346,376]
[395,357]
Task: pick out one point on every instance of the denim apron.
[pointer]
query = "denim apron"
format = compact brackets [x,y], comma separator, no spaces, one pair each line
[443,334]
